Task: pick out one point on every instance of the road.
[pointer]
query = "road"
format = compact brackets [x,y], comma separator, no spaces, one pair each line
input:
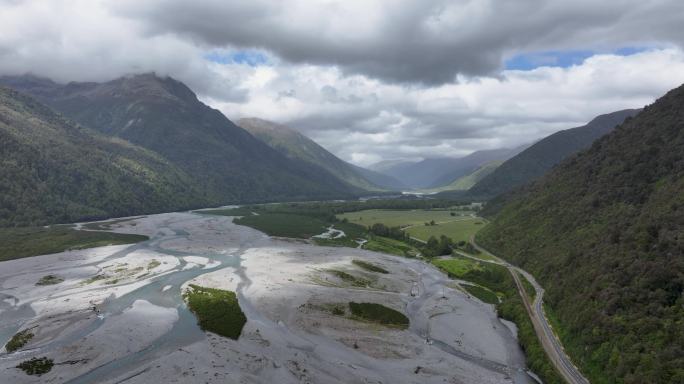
[552,345]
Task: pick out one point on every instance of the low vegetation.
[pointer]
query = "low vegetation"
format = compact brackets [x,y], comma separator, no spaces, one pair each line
[93,279]
[284,224]
[16,243]
[49,280]
[153,264]
[378,313]
[483,294]
[458,266]
[217,310]
[349,278]
[352,235]
[390,246]
[36,366]
[19,340]
[369,266]
[529,288]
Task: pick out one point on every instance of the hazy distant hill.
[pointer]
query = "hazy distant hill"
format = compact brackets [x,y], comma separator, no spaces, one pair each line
[466,182]
[297,146]
[227,164]
[438,172]
[536,160]
[602,232]
[54,171]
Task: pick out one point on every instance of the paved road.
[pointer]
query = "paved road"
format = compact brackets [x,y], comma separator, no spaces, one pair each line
[552,346]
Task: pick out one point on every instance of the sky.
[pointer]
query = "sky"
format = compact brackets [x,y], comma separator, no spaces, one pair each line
[370,80]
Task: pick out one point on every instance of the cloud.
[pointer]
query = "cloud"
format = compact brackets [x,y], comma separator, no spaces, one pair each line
[428,42]
[370,80]
[361,119]
[81,40]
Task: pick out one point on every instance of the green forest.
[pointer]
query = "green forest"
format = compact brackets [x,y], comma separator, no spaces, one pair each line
[603,234]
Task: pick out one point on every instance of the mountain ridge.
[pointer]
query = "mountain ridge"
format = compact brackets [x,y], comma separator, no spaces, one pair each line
[436,172]
[296,145]
[541,156]
[56,171]
[228,164]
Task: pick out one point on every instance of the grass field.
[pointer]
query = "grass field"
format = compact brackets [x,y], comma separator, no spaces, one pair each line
[481,255]
[217,310]
[400,218]
[457,267]
[16,243]
[459,227]
[460,230]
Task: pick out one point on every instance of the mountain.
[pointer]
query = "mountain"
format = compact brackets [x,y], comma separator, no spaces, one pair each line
[227,164]
[295,145]
[380,179]
[385,165]
[466,182]
[441,171]
[55,171]
[535,161]
[471,163]
[602,232]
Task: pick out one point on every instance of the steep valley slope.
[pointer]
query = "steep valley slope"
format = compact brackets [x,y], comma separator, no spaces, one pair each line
[603,233]
[54,171]
[227,164]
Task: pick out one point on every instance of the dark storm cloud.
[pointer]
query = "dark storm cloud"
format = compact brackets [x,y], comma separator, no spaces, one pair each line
[429,41]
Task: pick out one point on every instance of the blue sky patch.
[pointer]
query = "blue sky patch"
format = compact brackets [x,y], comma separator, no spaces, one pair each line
[248,57]
[563,59]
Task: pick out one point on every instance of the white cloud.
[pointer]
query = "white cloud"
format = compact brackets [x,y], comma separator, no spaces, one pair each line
[370,118]
[354,86]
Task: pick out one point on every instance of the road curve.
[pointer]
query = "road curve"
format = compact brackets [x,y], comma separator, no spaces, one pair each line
[552,345]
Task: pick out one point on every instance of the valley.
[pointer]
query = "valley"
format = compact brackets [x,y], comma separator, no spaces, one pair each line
[341,192]
[297,298]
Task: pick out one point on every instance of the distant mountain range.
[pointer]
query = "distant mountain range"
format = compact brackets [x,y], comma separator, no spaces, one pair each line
[295,145]
[539,158]
[439,172]
[602,231]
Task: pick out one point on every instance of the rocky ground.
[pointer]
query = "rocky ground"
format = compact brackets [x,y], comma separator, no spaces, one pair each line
[118,316]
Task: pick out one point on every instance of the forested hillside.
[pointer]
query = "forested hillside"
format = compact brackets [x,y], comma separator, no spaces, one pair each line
[226,163]
[295,145]
[54,171]
[539,158]
[603,232]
